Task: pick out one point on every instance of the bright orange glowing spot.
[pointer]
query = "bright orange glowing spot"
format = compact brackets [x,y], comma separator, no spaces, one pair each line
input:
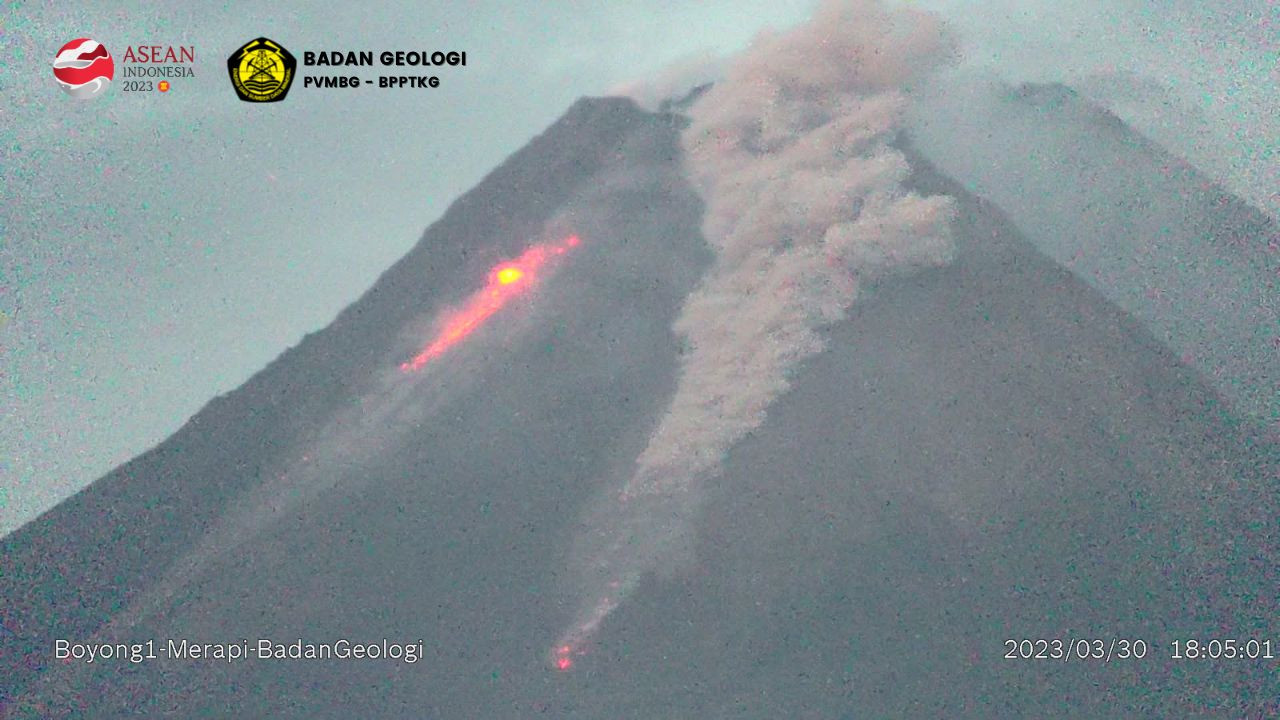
[563,661]
[505,281]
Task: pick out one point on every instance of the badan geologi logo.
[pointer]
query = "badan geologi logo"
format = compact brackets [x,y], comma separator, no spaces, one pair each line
[84,68]
[261,71]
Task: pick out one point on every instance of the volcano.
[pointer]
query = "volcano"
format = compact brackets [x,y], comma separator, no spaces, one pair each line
[987,452]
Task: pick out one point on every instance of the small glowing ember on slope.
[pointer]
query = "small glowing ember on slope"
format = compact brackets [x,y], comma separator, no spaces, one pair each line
[563,661]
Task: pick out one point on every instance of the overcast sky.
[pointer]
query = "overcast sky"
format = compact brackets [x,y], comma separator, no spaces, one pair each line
[156,250]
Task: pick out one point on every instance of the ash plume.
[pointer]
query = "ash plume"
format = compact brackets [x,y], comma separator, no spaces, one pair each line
[674,81]
[792,153]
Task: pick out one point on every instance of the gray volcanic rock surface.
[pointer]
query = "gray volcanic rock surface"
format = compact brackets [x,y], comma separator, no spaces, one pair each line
[1161,240]
[986,451]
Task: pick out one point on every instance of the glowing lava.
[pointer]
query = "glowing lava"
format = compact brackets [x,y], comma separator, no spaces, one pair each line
[563,661]
[505,281]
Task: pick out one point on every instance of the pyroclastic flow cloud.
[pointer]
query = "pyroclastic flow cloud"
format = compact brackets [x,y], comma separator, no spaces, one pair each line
[792,153]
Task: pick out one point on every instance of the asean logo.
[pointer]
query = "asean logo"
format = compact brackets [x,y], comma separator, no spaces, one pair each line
[84,68]
[261,71]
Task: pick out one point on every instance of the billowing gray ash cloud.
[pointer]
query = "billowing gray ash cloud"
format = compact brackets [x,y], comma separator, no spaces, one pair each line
[792,153]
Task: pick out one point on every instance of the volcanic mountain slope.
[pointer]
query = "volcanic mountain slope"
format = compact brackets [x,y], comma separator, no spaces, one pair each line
[78,565]
[986,451]
[1158,238]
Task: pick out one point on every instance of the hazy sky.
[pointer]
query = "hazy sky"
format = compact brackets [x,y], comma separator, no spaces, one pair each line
[157,250]
[1199,76]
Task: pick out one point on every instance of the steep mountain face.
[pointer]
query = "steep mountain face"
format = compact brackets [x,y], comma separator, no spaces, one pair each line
[987,451]
[81,563]
[1155,236]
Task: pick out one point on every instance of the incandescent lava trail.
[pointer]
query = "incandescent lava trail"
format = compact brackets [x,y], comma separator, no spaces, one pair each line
[506,280]
[350,440]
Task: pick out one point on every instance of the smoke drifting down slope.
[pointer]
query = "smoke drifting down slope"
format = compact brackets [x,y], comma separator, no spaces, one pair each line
[792,155]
